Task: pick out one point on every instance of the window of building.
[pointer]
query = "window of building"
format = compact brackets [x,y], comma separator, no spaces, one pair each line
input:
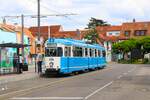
[140,32]
[110,33]
[117,34]
[67,51]
[127,33]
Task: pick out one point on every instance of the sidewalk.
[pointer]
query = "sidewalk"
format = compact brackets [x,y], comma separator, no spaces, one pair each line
[18,77]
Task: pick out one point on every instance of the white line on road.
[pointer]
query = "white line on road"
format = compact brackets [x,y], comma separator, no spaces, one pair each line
[124,73]
[47,98]
[131,70]
[108,84]
[119,77]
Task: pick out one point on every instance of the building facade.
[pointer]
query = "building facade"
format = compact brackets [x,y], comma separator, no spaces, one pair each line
[113,34]
[12,34]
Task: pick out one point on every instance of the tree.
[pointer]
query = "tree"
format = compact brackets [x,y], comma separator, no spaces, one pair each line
[145,45]
[96,22]
[125,47]
[141,44]
[92,34]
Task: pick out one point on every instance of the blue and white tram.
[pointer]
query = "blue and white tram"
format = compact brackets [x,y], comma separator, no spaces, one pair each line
[67,55]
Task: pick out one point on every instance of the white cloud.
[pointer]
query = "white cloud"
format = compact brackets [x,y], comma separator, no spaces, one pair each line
[112,11]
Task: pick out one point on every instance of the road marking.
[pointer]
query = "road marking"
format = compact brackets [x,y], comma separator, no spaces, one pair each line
[119,77]
[93,93]
[47,98]
[48,84]
[25,91]
[28,89]
[132,70]
[125,73]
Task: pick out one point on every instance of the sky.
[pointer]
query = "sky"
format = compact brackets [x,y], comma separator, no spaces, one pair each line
[114,12]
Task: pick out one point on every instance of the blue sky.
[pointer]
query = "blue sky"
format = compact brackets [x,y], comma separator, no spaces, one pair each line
[113,11]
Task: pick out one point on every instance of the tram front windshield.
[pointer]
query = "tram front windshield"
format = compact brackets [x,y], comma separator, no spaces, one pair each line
[53,52]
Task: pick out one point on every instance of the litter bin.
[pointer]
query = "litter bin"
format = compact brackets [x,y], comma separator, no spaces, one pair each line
[19,68]
[25,67]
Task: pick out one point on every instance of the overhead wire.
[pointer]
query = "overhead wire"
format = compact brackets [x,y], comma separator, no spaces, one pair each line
[75,22]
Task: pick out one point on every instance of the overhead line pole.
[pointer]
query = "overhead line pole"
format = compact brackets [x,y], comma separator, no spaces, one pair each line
[38,19]
[22,36]
[38,33]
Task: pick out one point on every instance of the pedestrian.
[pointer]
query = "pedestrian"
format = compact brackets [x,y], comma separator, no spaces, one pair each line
[21,62]
[15,62]
[39,62]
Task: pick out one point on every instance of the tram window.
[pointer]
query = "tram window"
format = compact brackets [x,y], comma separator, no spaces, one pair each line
[90,52]
[95,53]
[99,53]
[104,53]
[86,52]
[67,51]
[77,52]
[54,52]
[59,52]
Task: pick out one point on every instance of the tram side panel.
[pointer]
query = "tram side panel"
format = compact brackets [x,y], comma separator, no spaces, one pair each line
[104,61]
[72,64]
[100,62]
[64,65]
[93,63]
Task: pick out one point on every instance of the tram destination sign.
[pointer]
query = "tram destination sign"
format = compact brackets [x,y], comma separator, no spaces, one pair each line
[51,45]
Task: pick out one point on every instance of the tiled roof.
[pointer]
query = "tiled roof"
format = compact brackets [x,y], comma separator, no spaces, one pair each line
[13,28]
[108,28]
[55,31]
[8,28]
[137,22]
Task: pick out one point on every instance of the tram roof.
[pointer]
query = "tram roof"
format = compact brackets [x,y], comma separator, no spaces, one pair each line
[73,42]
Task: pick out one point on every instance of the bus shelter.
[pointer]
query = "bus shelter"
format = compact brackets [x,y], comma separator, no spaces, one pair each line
[9,68]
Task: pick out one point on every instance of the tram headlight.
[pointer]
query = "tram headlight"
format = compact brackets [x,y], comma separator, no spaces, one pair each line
[51,64]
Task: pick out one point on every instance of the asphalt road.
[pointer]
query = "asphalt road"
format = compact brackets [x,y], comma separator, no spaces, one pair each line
[115,82]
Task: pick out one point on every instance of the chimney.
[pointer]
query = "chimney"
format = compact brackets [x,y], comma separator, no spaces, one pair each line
[4,21]
[134,20]
[78,33]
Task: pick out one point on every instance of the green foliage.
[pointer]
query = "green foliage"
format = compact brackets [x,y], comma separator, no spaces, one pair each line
[145,43]
[142,44]
[134,61]
[92,35]
[128,45]
[96,22]
[124,46]
[146,61]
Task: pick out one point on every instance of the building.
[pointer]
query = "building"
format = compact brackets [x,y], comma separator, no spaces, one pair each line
[12,34]
[113,34]
[135,29]
[55,31]
[108,34]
